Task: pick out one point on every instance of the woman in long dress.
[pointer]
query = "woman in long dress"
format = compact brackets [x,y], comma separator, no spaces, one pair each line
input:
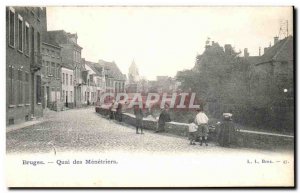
[227,131]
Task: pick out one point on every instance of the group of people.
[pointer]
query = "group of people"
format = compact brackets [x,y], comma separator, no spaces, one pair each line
[116,111]
[163,118]
[198,127]
[225,131]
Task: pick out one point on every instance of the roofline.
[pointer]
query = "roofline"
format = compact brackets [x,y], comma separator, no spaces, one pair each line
[51,45]
[66,67]
[271,61]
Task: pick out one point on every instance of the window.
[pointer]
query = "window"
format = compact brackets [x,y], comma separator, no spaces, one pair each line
[38,41]
[43,67]
[11,85]
[11,29]
[38,89]
[48,68]
[74,57]
[63,97]
[20,87]
[88,82]
[32,41]
[55,71]
[27,94]
[58,71]
[52,68]
[57,94]
[71,96]
[26,38]
[63,78]
[20,33]
[67,79]
[52,99]
[71,79]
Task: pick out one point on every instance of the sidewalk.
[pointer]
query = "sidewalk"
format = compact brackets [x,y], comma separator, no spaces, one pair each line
[47,114]
[24,124]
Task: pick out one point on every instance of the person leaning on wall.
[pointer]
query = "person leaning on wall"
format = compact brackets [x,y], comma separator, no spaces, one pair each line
[163,118]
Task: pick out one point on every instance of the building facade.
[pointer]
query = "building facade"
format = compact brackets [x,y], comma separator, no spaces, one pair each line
[272,85]
[94,81]
[24,30]
[51,74]
[67,76]
[114,78]
[71,59]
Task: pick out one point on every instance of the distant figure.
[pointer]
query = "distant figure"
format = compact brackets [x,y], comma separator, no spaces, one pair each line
[202,121]
[163,118]
[112,110]
[192,132]
[119,112]
[227,131]
[139,118]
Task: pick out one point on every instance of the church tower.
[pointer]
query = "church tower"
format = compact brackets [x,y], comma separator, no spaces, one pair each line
[133,73]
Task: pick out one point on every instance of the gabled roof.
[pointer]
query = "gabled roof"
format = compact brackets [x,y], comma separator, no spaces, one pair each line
[112,70]
[63,37]
[281,51]
[97,68]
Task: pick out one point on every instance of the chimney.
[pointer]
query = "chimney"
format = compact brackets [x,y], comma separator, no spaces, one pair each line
[259,52]
[246,53]
[265,50]
[276,39]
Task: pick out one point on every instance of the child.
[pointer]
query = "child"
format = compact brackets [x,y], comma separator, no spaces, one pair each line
[192,132]
[202,121]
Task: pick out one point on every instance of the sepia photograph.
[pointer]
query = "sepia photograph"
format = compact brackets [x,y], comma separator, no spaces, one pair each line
[150,96]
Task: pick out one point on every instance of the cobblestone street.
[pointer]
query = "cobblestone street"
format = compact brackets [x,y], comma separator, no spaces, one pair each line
[82,134]
[85,130]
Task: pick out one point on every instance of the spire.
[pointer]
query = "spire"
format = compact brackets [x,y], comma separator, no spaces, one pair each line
[133,72]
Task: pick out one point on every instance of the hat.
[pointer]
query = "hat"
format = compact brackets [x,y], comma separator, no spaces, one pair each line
[227,115]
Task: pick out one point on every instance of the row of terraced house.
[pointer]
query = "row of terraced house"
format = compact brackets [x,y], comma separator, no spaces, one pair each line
[44,69]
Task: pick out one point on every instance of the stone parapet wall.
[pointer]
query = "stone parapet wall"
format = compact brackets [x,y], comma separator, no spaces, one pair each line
[245,138]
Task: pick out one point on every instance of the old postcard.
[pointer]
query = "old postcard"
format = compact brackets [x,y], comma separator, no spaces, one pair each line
[150,96]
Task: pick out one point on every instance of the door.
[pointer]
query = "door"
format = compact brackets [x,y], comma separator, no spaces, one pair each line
[66,98]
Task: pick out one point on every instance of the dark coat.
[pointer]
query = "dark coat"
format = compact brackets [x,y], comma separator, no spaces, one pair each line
[119,108]
[227,133]
[163,118]
[138,113]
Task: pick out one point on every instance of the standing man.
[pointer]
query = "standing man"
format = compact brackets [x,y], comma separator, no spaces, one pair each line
[202,120]
[139,118]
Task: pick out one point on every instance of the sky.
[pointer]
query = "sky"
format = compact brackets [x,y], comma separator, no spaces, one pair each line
[164,40]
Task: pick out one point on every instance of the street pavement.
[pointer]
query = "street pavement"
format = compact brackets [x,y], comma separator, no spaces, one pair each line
[85,130]
[142,160]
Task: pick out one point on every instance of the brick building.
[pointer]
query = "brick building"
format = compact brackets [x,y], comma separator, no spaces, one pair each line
[71,60]
[24,30]
[51,74]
